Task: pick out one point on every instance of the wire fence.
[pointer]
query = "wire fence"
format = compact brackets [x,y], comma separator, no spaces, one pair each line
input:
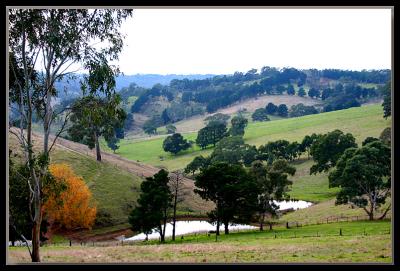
[268,227]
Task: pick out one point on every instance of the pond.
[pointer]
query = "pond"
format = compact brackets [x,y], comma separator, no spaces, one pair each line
[185,227]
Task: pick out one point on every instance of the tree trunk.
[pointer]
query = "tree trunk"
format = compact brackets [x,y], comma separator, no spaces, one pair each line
[226,227]
[262,222]
[371,215]
[217,233]
[98,153]
[36,241]
[174,215]
[270,226]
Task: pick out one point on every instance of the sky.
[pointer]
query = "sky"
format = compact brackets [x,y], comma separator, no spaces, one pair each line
[222,41]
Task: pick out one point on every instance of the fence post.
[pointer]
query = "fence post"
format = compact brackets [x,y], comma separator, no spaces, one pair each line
[340,232]
[287,225]
[70,243]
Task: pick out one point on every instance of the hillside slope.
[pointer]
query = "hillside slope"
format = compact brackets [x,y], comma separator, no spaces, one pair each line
[360,121]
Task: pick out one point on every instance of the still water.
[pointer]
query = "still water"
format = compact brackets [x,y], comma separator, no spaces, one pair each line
[185,227]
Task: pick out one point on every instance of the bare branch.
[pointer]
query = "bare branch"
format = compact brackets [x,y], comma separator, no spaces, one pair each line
[60,131]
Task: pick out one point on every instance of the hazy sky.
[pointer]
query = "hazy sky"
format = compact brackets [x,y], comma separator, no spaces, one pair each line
[222,41]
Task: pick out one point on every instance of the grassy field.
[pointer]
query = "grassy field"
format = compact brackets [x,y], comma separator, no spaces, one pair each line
[360,121]
[320,244]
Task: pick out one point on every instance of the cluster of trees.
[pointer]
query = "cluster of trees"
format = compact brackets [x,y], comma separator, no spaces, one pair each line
[157,203]
[279,110]
[373,76]
[156,91]
[362,173]
[300,109]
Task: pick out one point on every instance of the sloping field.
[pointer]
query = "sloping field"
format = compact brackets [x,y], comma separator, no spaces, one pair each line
[115,182]
[360,121]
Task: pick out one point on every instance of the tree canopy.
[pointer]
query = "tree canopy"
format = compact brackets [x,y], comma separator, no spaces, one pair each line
[364,176]
[328,148]
[175,143]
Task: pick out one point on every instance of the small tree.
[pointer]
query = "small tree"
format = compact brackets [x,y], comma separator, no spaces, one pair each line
[211,134]
[178,193]
[150,128]
[239,123]
[314,93]
[153,205]
[171,129]
[232,190]
[112,143]
[328,148]
[364,177]
[290,90]
[78,208]
[260,115]
[93,117]
[271,108]
[282,110]
[301,92]
[198,163]
[273,185]
[175,144]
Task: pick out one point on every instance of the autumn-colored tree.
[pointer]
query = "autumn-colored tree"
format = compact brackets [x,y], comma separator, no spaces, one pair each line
[74,208]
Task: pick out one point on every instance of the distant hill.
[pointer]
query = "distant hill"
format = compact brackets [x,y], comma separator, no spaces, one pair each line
[149,80]
[141,80]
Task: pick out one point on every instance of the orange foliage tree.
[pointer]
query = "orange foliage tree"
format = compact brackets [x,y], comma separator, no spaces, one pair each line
[74,207]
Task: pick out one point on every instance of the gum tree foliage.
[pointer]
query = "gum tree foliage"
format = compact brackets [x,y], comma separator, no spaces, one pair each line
[175,143]
[170,129]
[260,114]
[385,136]
[233,150]
[198,163]
[300,109]
[232,190]
[314,93]
[154,203]
[61,37]
[219,117]
[290,90]
[211,134]
[301,92]
[282,110]
[307,141]
[92,117]
[328,148]
[271,108]
[273,185]
[239,123]
[364,177]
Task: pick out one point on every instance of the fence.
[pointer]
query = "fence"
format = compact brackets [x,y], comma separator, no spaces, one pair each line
[287,225]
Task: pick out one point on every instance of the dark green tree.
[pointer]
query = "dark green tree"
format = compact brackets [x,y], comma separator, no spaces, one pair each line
[211,134]
[219,117]
[271,108]
[239,123]
[198,163]
[274,150]
[305,145]
[364,177]
[175,143]
[150,128]
[300,109]
[369,140]
[93,117]
[171,129]
[260,114]
[232,190]
[273,185]
[154,204]
[386,136]
[314,93]
[282,110]
[290,90]
[112,143]
[301,92]
[328,148]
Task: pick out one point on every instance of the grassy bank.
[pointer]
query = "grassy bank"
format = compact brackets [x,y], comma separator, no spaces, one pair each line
[309,244]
